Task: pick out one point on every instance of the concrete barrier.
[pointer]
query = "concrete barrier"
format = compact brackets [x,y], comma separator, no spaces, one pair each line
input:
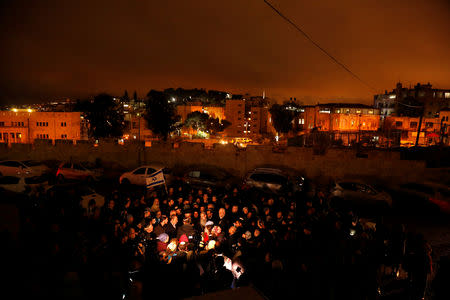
[335,163]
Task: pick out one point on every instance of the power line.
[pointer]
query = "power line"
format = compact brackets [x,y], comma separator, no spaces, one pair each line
[408,105]
[317,45]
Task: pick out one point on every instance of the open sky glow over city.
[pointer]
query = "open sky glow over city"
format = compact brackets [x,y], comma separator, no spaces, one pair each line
[80,48]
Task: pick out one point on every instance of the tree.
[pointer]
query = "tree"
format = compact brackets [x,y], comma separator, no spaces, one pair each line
[202,121]
[281,118]
[135,96]
[104,119]
[214,125]
[160,115]
[197,120]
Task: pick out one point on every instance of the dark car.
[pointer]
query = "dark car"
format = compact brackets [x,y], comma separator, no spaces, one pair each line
[205,176]
[273,180]
[359,195]
[421,197]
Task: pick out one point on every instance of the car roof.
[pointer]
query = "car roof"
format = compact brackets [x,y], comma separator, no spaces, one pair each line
[433,185]
[268,170]
[3,177]
[153,166]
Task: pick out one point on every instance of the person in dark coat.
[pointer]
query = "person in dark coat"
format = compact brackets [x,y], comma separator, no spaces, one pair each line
[187,228]
[171,228]
[162,226]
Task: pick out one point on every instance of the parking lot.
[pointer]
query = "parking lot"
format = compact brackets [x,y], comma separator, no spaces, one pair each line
[371,201]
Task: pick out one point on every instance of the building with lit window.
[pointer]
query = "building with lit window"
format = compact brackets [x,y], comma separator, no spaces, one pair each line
[248,118]
[432,100]
[27,126]
[345,121]
[402,131]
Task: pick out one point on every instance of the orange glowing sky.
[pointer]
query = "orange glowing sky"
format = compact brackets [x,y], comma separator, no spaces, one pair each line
[61,49]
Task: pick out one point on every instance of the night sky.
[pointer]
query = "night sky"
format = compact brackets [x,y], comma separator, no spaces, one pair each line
[79,48]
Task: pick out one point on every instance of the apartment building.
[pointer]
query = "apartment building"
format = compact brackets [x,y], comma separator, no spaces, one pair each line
[248,118]
[26,126]
[339,117]
[432,100]
[405,129]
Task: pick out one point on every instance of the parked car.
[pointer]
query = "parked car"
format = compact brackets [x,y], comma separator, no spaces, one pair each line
[208,176]
[17,168]
[139,175]
[76,171]
[38,168]
[87,195]
[28,185]
[358,193]
[82,193]
[423,195]
[273,180]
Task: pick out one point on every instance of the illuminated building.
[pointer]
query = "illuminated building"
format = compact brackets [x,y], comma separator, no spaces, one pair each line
[247,117]
[346,121]
[432,100]
[402,131]
[444,116]
[27,126]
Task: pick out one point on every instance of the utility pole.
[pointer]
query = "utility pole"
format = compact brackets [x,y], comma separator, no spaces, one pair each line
[418,127]
[139,139]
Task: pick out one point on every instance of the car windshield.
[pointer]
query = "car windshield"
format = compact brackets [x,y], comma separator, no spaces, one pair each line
[35,180]
[419,188]
[79,167]
[84,190]
[31,163]
[9,180]
[269,178]
[444,192]
[347,186]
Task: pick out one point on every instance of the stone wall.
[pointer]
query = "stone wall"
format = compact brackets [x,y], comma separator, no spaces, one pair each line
[336,163]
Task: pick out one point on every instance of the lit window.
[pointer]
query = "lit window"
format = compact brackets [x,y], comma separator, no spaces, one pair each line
[371,112]
[358,111]
[447,94]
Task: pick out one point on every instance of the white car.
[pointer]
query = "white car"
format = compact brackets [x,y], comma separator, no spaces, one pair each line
[139,175]
[28,185]
[17,168]
[87,195]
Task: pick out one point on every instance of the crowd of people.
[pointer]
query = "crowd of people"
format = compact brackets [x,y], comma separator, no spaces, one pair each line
[180,241]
